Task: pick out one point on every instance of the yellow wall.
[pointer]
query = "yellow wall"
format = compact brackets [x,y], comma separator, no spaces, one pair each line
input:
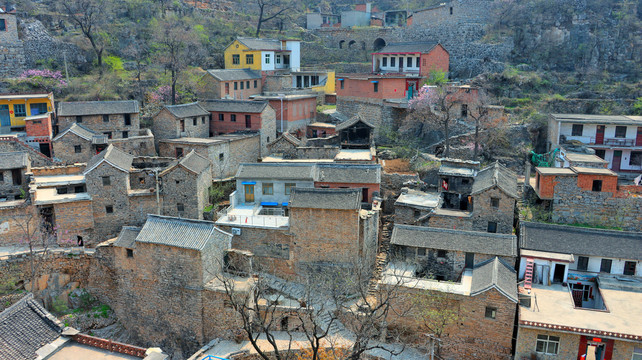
[20,121]
[236,48]
[329,87]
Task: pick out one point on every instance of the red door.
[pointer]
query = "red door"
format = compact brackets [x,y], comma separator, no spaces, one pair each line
[638,139]
[617,159]
[599,135]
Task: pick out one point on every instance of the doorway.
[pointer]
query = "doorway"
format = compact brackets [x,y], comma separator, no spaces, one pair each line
[599,135]
[470,260]
[558,274]
[249,193]
[595,351]
[5,120]
[617,160]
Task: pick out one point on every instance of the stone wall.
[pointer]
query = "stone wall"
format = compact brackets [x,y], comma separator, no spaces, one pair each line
[64,149]
[74,221]
[12,217]
[11,144]
[444,221]
[115,124]
[187,189]
[139,143]
[40,46]
[313,153]
[527,339]
[484,212]
[12,55]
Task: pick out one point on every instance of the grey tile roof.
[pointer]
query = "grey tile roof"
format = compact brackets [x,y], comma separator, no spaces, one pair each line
[77,108]
[113,156]
[496,175]
[26,327]
[575,240]
[234,74]
[348,123]
[278,171]
[79,130]
[260,44]
[494,274]
[182,233]
[349,173]
[127,236]
[423,47]
[239,106]
[186,110]
[454,240]
[14,160]
[315,198]
[286,137]
[195,162]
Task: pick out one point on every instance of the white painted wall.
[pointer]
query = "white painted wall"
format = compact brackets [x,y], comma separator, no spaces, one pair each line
[295,54]
[594,264]
[589,131]
[264,65]
[378,60]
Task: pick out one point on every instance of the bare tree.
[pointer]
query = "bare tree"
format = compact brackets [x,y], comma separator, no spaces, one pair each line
[271,9]
[433,106]
[89,16]
[479,112]
[436,311]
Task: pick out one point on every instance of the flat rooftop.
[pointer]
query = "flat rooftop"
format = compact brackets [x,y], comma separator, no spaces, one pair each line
[76,351]
[554,171]
[51,196]
[598,119]
[322,125]
[554,306]
[354,155]
[594,171]
[59,180]
[419,199]
[404,273]
[589,158]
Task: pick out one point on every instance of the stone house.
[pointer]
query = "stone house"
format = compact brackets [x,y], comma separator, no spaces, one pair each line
[615,138]
[78,144]
[13,169]
[230,116]
[456,179]
[186,186]
[412,205]
[420,57]
[367,177]
[292,111]
[494,195]
[569,159]
[116,119]
[285,145]
[12,143]
[225,152]
[186,120]
[480,310]
[238,84]
[444,254]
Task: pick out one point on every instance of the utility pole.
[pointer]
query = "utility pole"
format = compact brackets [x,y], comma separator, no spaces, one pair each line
[64,57]
[281,96]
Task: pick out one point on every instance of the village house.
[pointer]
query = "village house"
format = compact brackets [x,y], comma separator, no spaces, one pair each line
[320,130]
[419,57]
[293,111]
[225,152]
[186,120]
[39,133]
[13,143]
[412,205]
[14,108]
[116,119]
[237,84]
[615,138]
[230,116]
[578,296]
[362,15]
[184,182]
[355,133]
[265,55]
[319,82]
[13,169]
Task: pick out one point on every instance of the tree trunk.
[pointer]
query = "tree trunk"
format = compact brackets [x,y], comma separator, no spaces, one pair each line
[447,132]
[173,86]
[476,139]
[258,25]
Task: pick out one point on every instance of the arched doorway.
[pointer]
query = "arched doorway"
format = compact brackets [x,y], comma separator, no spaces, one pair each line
[378,44]
[341,43]
[352,42]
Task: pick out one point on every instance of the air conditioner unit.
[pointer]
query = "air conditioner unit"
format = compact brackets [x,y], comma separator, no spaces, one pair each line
[236,231]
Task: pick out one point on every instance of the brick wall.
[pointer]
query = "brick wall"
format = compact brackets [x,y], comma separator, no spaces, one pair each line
[247,150]
[11,220]
[388,88]
[527,339]
[296,113]
[218,127]
[39,127]
[437,59]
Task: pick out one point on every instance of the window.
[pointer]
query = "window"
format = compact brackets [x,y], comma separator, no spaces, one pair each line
[578,129]
[464,110]
[494,202]
[249,59]
[441,253]
[376,87]
[180,207]
[227,88]
[451,10]
[417,213]
[221,157]
[19,110]
[600,153]
[128,119]
[597,185]
[247,84]
[620,131]
[106,180]
[492,227]
[606,265]
[130,253]
[221,117]
[79,119]
[278,59]
[203,120]
[629,267]
[179,152]
[267,58]
[421,252]
[417,62]
[194,121]
[1,177]
[547,344]
[409,62]
[288,188]
[341,83]
[236,59]
[79,189]
[236,85]
[256,83]
[393,61]
[233,117]
[108,133]
[109,209]
[268,189]
[636,158]
[582,263]
[61,191]
[141,180]
[491,312]
[125,134]
[637,354]
[242,85]
[384,61]
[248,121]
[105,118]
[77,149]
[37,109]
[423,63]
[182,125]
[3,25]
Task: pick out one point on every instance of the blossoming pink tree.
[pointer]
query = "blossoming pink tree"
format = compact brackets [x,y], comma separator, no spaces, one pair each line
[432,106]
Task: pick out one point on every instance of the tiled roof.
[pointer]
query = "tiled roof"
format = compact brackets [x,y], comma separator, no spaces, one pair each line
[575,240]
[79,130]
[238,106]
[351,122]
[234,74]
[78,108]
[26,327]
[279,171]
[598,119]
[186,110]
[494,273]
[260,44]
[315,198]
[127,236]
[348,173]
[195,162]
[409,47]
[114,157]
[496,175]
[454,240]
[14,160]
[286,137]
[182,233]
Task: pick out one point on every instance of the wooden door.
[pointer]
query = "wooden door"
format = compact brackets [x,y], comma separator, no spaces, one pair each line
[617,159]
[5,119]
[249,193]
[638,138]
[599,135]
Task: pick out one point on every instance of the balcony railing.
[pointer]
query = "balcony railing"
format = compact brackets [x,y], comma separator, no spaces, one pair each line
[590,140]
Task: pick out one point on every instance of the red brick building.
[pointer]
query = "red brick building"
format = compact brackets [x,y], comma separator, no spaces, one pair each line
[298,110]
[418,57]
[39,132]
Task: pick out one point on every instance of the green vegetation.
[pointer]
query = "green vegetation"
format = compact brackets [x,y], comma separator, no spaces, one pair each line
[322,108]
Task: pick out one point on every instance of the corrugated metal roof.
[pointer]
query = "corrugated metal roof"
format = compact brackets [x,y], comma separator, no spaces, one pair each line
[182,233]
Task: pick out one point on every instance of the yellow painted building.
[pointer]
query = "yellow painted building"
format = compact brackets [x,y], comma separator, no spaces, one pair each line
[239,56]
[263,54]
[14,108]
